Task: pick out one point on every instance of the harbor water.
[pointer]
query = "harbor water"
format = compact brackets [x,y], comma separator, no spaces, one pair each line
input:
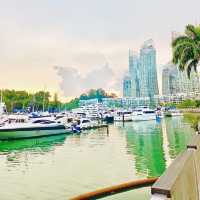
[60,167]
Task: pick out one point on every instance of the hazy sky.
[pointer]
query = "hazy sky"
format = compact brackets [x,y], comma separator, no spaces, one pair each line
[87,40]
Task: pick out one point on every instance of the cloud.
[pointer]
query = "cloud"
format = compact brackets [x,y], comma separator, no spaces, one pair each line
[73,83]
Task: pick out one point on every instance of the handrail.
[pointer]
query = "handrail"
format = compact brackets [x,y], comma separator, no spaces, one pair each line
[116,189]
[181,180]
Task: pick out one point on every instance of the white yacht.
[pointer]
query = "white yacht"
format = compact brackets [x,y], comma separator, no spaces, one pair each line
[89,111]
[19,126]
[144,114]
[123,116]
[86,123]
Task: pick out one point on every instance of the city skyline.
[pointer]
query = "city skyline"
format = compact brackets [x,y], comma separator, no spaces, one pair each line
[176,83]
[141,80]
[37,36]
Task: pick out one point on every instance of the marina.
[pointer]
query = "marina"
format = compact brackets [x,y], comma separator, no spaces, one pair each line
[100,100]
[92,159]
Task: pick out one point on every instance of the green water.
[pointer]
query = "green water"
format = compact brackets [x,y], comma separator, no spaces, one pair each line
[60,167]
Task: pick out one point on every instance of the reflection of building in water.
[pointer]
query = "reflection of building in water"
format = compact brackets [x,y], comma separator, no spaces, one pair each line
[165,143]
[147,147]
[178,134]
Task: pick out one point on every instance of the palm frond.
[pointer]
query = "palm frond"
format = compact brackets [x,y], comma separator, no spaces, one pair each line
[181,39]
[180,48]
[186,49]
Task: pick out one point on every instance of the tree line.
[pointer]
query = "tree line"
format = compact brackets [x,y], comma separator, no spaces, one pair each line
[25,101]
[41,100]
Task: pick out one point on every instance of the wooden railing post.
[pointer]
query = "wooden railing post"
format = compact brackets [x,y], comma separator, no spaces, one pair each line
[195,146]
[179,181]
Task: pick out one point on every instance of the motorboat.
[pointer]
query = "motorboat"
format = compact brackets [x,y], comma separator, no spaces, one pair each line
[123,116]
[85,123]
[173,113]
[107,117]
[21,127]
[144,114]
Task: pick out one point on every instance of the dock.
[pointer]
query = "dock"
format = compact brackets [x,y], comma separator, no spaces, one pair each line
[96,127]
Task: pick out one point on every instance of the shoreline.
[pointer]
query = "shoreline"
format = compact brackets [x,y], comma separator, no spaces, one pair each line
[190,110]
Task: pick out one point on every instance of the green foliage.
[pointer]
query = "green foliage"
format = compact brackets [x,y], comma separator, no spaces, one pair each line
[96,94]
[186,49]
[170,104]
[192,119]
[22,99]
[91,94]
[197,103]
[74,103]
[187,104]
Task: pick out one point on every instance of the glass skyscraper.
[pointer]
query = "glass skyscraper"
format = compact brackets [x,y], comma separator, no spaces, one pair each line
[134,63]
[142,78]
[175,82]
[148,71]
[127,85]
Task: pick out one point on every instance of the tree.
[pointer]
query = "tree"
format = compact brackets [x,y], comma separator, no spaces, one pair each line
[54,106]
[186,49]
[74,103]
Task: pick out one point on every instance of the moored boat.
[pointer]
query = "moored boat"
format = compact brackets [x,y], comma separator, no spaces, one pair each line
[144,115]
[21,129]
[173,113]
[123,116]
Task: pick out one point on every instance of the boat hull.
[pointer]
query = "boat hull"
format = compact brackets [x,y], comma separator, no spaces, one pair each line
[143,117]
[120,118]
[30,133]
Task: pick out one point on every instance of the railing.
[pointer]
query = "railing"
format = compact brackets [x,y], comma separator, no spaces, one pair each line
[181,181]
[116,189]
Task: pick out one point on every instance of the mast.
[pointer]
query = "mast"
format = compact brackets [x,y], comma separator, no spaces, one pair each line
[1,96]
[33,102]
[43,100]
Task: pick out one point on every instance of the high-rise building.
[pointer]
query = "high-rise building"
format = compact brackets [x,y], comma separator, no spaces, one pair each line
[169,79]
[176,82]
[148,71]
[142,76]
[133,72]
[127,82]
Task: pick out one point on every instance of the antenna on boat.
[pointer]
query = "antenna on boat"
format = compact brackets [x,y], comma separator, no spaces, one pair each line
[33,102]
[1,96]
[43,99]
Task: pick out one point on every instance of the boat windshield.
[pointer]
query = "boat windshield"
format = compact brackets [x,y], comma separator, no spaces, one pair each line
[85,121]
[149,112]
[43,122]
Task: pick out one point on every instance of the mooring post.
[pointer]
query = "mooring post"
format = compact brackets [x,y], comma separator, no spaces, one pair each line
[107,130]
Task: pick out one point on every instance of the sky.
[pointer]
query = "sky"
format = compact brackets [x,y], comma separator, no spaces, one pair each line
[69,46]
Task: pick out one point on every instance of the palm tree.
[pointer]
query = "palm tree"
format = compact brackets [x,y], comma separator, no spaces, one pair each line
[186,49]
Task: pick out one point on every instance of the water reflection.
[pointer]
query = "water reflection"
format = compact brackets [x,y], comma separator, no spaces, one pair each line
[35,144]
[145,142]
[154,145]
[178,135]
